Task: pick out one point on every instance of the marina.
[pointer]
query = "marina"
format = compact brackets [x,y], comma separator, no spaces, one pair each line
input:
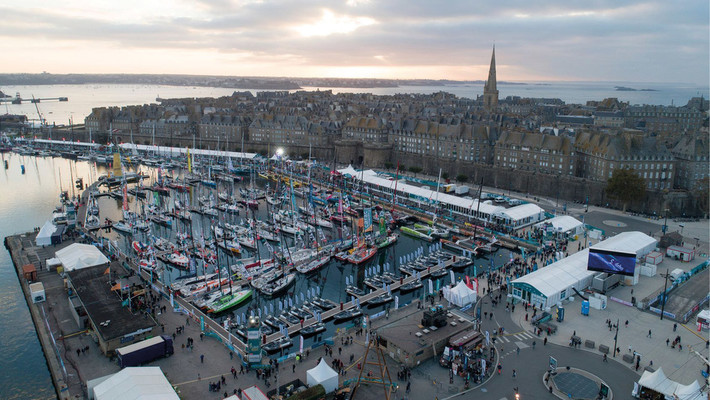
[287,275]
[128,245]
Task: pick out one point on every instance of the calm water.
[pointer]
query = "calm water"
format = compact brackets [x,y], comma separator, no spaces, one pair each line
[27,202]
[82,98]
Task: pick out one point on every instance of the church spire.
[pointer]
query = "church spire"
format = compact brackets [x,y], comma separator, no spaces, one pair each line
[490,90]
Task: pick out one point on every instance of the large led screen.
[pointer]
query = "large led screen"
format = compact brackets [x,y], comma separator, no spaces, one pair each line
[611,262]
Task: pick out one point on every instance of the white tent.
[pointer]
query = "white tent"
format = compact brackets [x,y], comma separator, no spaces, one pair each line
[44,237]
[564,224]
[80,256]
[136,383]
[460,294]
[322,374]
[659,382]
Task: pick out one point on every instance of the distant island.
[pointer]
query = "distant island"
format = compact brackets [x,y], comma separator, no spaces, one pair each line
[628,89]
[232,82]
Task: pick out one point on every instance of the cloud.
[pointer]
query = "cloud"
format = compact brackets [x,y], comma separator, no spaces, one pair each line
[635,40]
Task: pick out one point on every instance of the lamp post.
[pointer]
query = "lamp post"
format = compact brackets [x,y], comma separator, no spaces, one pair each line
[665,223]
[663,295]
[616,337]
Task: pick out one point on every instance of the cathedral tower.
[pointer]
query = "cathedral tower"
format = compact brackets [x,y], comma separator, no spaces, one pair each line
[490,90]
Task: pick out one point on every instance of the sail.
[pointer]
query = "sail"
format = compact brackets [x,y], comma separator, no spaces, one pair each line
[117,165]
[125,197]
[189,161]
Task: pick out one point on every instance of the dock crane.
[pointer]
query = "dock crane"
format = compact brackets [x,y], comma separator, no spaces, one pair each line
[39,114]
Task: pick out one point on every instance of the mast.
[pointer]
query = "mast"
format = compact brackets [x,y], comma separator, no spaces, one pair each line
[394,194]
[436,208]
[478,206]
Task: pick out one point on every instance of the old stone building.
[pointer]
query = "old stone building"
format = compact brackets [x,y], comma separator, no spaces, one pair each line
[230,129]
[366,130]
[693,165]
[599,153]
[666,121]
[529,151]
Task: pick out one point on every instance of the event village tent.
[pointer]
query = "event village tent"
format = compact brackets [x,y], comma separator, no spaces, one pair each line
[44,237]
[460,294]
[659,382]
[80,256]
[322,374]
[136,383]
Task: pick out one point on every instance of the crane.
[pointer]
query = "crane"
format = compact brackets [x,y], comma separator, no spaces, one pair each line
[39,114]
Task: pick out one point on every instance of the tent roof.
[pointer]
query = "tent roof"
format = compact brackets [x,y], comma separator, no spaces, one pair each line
[562,223]
[136,383]
[559,275]
[520,212]
[626,242]
[462,290]
[322,371]
[431,196]
[47,230]
[570,270]
[659,382]
[79,256]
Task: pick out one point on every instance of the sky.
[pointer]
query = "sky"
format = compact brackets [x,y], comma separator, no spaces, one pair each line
[541,40]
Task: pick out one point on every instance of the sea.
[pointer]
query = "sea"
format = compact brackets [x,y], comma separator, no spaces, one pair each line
[82,98]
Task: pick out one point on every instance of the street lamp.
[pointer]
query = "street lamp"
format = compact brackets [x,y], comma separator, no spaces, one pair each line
[665,223]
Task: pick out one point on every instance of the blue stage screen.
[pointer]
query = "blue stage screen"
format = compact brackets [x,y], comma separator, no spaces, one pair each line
[611,262]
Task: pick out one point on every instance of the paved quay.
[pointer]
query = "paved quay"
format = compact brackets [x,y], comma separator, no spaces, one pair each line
[187,371]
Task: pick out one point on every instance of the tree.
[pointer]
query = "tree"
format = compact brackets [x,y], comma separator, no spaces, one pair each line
[388,165]
[625,185]
[461,178]
[415,170]
[445,175]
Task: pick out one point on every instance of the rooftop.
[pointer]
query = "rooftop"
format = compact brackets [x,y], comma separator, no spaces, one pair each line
[403,332]
[102,304]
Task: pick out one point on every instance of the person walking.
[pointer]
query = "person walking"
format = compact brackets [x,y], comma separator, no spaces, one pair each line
[515,374]
[649,333]
[500,369]
[675,326]
[202,358]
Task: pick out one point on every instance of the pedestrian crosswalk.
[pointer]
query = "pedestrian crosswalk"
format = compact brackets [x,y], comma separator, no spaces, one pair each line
[520,336]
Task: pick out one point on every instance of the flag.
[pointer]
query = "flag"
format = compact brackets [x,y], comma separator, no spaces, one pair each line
[106,272]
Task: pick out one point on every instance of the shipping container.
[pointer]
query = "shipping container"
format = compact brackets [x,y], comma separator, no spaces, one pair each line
[144,351]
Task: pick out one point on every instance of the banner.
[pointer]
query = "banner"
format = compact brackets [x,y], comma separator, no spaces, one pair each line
[367,216]
[300,347]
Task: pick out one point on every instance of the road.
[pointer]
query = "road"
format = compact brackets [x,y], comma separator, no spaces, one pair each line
[531,363]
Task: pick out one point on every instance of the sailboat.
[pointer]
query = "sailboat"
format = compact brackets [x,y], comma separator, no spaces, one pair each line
[229,301]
